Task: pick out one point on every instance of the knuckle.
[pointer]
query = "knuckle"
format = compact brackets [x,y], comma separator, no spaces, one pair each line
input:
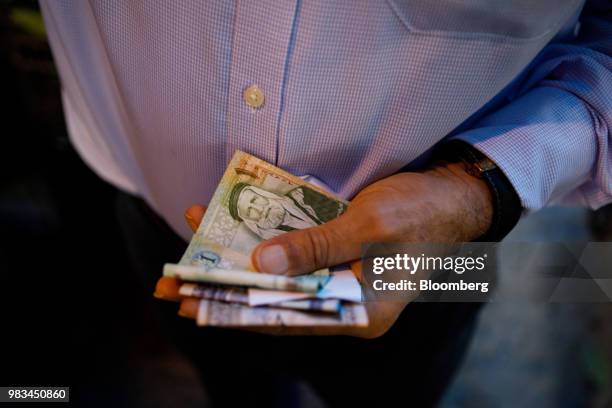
[319,244]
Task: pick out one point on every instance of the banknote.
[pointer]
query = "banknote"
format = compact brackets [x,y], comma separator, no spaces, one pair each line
[241,278]
[240,295]
[215,313]
[223,294]
[253,202]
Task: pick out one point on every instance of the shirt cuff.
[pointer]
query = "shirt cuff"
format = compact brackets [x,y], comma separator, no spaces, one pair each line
[546,144]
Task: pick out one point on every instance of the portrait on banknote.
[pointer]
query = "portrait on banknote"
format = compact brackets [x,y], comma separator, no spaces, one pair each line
[268,214]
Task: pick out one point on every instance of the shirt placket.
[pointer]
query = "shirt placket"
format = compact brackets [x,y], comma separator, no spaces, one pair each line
[260,46]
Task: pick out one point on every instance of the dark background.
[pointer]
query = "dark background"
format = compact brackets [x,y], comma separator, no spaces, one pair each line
[73,314]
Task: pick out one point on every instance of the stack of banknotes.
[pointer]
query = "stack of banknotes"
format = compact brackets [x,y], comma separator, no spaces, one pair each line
[256,201]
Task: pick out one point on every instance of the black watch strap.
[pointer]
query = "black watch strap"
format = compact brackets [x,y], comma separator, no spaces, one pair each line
[507,208]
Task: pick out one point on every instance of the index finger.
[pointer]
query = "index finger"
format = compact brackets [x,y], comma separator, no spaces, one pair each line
[167,288]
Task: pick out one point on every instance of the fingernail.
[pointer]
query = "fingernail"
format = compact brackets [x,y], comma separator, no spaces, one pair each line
[183,314]
[157,295]
[273,259]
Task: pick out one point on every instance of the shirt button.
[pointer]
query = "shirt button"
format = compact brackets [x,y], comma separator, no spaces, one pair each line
[254,97]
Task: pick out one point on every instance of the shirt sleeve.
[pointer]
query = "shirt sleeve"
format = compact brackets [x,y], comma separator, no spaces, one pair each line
[553,141]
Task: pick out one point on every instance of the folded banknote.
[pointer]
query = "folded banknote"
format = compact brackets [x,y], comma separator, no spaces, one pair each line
[241,296]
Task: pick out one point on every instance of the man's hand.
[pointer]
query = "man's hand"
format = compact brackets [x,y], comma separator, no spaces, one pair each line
[443,204]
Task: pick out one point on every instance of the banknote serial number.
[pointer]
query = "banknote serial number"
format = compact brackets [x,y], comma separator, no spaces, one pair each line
[30,394]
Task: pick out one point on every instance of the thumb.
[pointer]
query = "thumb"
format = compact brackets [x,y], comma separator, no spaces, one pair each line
[307,250]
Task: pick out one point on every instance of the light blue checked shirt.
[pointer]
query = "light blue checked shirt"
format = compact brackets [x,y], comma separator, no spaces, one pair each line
[159,94]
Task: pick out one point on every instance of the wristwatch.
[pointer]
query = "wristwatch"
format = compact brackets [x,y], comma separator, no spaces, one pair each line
[507,208]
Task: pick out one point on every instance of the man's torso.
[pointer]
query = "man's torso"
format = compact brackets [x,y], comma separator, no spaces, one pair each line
[354,90]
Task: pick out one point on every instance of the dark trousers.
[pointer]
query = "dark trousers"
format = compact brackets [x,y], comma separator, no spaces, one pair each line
[410,365]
